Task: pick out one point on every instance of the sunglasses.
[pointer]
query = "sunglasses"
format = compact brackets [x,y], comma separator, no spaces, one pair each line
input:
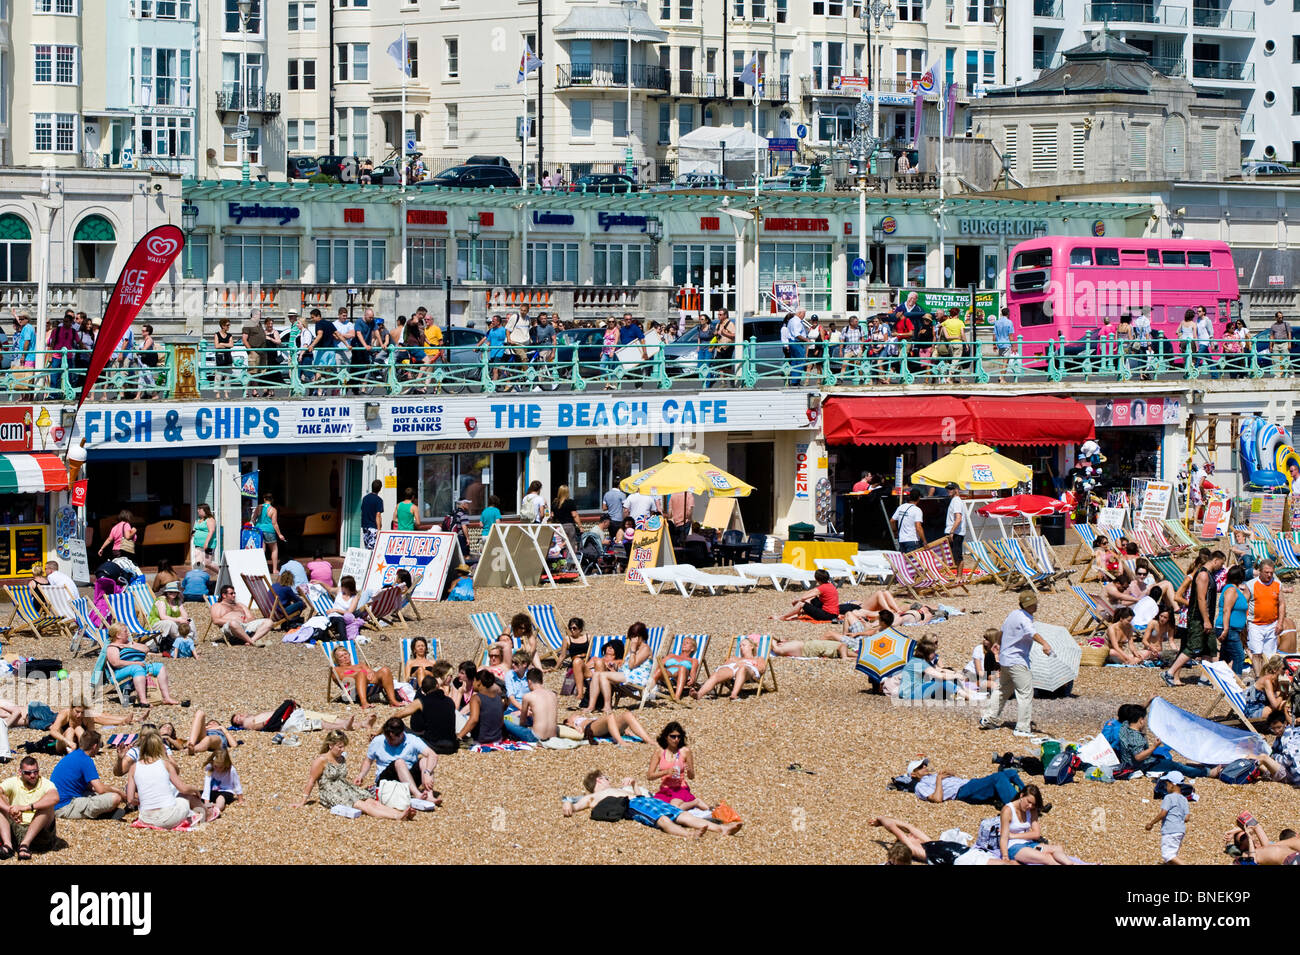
[674,736]
[30,772]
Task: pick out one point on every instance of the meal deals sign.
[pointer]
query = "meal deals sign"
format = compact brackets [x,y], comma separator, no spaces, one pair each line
[425,555]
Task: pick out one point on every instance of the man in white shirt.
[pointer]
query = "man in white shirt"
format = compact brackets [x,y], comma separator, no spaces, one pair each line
[955,524]
[907,523]
[58,578]
[1204,333]
[640,506]
[1018,635]
[797,343]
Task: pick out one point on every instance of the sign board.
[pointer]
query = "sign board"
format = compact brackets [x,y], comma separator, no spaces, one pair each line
[409,136]
[355,563]
[80,572]
[15,428]
[786,296]
[723,514]
[242,125]
[523,123]
[801,131]
[851,84]
[647,543]
[990,302]
[1215,523]
[425,555]
[236,563]
[1155,500]
[1276,281]
[1110,517]
[898,475]
[1268,509]
[859,268]
[801,471]
[782,145]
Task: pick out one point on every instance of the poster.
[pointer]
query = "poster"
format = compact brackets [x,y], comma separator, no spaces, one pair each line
[1137,412]
[785,295]
[426,555]
[15,428]
[1215,522]
[1110,517]
[644,552]
[70,545]
[1155,500]
[248,485]
[355,563]
[801,471]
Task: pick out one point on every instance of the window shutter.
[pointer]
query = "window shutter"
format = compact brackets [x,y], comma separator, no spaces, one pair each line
[1043,146]
[1138,147]
[1077,143]
[1009,145]
[1209,150]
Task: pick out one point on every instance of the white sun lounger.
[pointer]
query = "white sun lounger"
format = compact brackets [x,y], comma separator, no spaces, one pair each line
[694,578]
[779,574]
[873,564]
[663,576]
[838,568]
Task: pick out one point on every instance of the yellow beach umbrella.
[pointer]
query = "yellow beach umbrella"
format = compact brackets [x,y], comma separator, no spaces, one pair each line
[685,471]
[974,467]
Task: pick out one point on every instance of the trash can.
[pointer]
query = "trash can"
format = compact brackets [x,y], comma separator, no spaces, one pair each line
[802,532]
[1053,528]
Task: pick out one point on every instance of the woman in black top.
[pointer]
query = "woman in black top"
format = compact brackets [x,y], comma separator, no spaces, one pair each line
[565,513]
[223,358]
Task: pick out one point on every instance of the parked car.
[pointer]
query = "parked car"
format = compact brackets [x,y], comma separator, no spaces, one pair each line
[488,161]
[475,177]
[302,167]
[1268,169]
[385,176]
[603,182]
[698,180]
[331,165]
[792,178]
[464,345]
[588,342]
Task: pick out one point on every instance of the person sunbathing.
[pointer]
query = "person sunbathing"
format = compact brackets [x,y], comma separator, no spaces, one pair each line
[867,623]
[330,771]
[913,845]
[923,678]
[128,662]
[520,632]
[206,734]
[633,671]
[829,649]
[418,665]
[365,679]
[272,721]
[75,720]
[645,809]
[1120,641]
[821,602]
[1115,593]
[677,668]
[613,725]
[738,670]
[1251,846]
[1105,561]
[1021,835]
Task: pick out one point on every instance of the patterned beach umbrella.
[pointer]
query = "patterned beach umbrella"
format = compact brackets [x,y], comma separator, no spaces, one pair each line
[884,654]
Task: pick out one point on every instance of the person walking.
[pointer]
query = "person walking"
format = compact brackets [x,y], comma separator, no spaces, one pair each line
[955,524]
[1265,592]
[1016,639]
[907,523]
[266,520]
[372,515]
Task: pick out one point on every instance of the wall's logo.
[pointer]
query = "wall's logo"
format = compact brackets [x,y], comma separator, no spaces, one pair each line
[162,246]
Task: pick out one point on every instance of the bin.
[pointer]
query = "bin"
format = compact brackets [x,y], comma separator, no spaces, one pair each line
[802,532]
[1053,528]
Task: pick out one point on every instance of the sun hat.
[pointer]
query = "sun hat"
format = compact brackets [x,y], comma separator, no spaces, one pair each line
[172,588]
[916,764]
[1174,777]
[1028,599]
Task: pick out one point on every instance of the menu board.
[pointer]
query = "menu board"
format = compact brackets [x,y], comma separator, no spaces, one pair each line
[1155,500]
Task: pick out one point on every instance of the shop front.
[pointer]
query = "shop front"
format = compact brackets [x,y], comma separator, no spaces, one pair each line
[1131,433]
[32,473]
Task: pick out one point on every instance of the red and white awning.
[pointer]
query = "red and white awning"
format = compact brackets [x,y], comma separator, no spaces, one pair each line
[32,473]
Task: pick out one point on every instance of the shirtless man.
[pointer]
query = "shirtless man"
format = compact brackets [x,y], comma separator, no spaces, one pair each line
[260,721]
[537,709]
[644,808]
[235,620]
[913,845]
[613,725]
[1252,843]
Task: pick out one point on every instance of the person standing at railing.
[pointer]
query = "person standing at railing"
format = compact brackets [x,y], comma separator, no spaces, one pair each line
[346,330]
[363,332]
[1204,335]
[224,361]
[23,348]
[273,356]
[796,338]
[704,348]
[726,350]
[545,355]
[253,338]
[496,345]
[149,355]
[63,337]
[1279,334]
[851,342]
[321,350]
[609,353]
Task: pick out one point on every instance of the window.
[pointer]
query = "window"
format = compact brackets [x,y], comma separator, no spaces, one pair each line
[1173,258]
[413,57]
[360,131]
[620,119]
[453,123]
[990,67]
[1078,141]
[691,262]
[1295,49]
[68,7]
[353,62]
[451,57]
[291,135]
[580,119]
[908,64]
[666,10]
[261,258]
[54,132]
[949,65]
[254,25]
[665,124]
[309,135]
[614,263]
[1199,259]
[340,261]
[828,8]
[302,17]
[591,470]
[352,3]
[911,10]
[972,69]
[252,145]
[302,74]
[686,10]
[553,262]
[685,119]
[54,64]
[486,260]
[196,249]
[1209,150]
[162,9]
[43,61]
[426,260]
[166,136]
[1138,147]
[806,263]
[164,77]
[471,476]
[1081,256]
[858,62]
[1295,100]
[979,11]
[1042,148]
[782,14]
[1009,144]
[15,249]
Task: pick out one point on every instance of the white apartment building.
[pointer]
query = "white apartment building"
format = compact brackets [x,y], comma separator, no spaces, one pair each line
[1244,50]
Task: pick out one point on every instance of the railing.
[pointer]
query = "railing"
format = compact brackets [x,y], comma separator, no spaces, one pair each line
[1233,70]
[1162,15]
[706,85]
[611,75]
[1047,61]
[774,90]
[289,372]
[1248,124]
[1168,65]
[1051,9]
[255,100]
[812,87]
[1223,19]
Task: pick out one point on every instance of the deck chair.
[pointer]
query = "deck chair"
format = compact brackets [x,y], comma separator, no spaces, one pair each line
[102,674]
[211,601]
[268,604]
[1287,562]
[1018,564]
[546,626]
[124,612]
[488,627]
[1168,569]
[1043,557]
[933,565]
[87,628]
[1091,618]
[30,617]
[383,609]
[59,603]
[144,597]
[1220,674]
[1261,530]
[1148,546]
[986,563]
[1087,535]
[320,601]
[1259,550]
[1162,541]
[644,693]
[838,568]
[435,651]
[1177,535]
[349,694]
[905,577]
[763,652]
[598,644]
[674,647]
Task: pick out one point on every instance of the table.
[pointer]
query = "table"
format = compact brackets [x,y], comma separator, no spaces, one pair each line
[804,553]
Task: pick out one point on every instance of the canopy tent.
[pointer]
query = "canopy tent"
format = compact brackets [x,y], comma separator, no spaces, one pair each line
[946,419]
[701,150]
[974,467]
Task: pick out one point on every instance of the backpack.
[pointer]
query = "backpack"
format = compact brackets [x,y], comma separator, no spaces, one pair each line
[1062,768]
[1239,772]
[39,716]
[610,809]
[990,835]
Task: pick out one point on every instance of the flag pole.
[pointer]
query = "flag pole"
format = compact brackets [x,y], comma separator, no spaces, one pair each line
[406,66]
[943,251]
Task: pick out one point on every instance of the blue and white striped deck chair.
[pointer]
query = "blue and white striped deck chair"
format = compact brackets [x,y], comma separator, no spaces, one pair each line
[488,626]
[31,617]
[435,651]
[762,651]
[1288,562]
[1014,558]
[102,674]
[1091,618]
[355,657]
[124,612]
[59,602]
[1220,674]
[1087,540]
[546,626]
[598,644]
[143,596]
[87,628]
[674,648]
[1114,533]
[1044,557]
[211,601]
[987,563]
[644,692]
[319,599]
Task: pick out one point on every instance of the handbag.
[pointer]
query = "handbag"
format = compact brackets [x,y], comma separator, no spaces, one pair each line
[126,545]
[394,794]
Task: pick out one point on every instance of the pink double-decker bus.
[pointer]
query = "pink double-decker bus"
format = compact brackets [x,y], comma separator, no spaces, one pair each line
[1068,285]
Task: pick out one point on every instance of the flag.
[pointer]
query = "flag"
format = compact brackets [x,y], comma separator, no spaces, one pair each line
[527,63]
[248,485]
[929,80]
[951,106]
[749,75]
[400,54]
[146,265]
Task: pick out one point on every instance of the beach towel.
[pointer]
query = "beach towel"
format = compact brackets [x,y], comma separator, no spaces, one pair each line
[503,747]
[1201,740]
[555,742]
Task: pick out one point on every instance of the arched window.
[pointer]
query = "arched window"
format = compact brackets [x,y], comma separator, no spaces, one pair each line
[94,241]
[15,249]
[1175,143]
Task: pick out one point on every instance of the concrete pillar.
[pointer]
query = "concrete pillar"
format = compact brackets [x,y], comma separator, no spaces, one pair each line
[226,505]
[382,466]
[839,277]
[538,466]
[796,465]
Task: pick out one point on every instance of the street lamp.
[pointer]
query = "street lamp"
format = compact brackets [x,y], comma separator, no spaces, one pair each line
[1176,230]
[878,242]
[189,219]
[1000,18]
[629,6]
[654,230]
[245,11]
[881,12]
[475,227]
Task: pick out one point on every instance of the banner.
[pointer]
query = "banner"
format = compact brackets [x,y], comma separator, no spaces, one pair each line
[425,555]
[1155,501]
[1215,522]
[990,303]
[355,564]
[79,494]
[1110,517]
[786,296]
[147,264]
[801,471]
[644,552]
[248,485]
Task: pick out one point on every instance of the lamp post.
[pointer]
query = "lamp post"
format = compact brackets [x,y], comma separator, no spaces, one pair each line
[878,242]
[881,12]
[1000,18]
[738,218]
[654,229]
[864,144]
[628,167]
[189,219]
[245,11]
[473,230]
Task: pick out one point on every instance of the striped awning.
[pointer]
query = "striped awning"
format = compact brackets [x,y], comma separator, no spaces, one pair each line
[32,473]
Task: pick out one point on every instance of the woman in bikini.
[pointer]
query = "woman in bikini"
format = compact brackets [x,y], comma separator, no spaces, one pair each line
[72,722]
[674,767]
[521,634]
[678,668]
[573,652]
[418,666]
[867,623]
[737,670]
[1119,641]
[206,734]
[635,669]
[613,725]
[365,679]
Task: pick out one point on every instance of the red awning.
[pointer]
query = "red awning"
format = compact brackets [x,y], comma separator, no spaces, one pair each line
[945,419]
[1030,420]
[901,419]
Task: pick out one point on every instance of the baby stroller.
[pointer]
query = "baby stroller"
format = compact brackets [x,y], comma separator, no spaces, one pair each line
[591,550]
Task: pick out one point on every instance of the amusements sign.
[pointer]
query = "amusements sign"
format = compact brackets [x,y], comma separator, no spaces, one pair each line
[425,555]
[646,543]
[1155,500]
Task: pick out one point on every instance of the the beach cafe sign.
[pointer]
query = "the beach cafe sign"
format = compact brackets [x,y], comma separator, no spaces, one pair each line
[1024,227]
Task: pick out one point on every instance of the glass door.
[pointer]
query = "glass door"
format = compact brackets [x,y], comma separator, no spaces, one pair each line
[353,490]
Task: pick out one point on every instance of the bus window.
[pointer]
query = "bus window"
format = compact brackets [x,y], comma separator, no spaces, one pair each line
[1108,256]
[1035,313]
[1081,256]
[1153,257]
[1033,259]
[1201,259]
[1173,258]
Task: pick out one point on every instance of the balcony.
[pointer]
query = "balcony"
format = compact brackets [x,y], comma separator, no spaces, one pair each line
[1168,65]
[1043,60]
[1215,19]
[774,91]
[1235,71]
[812,86]
[1135,13]
[1248,126]
[701,85]
[233,99]
[611,76]
[1050,9]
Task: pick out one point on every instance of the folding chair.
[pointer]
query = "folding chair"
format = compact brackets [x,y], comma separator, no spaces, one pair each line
[1221,675]
[124,612]
[268,604]
[1261,530]
[1113,534]
[838,568]
[987,563]
[320,600]
[29,616]
[1287,562]
[355,656]
[1177,535]
[383,609]
[760,572]
[872,564]
[211,601]
[102,673]
[674,647]
[487,625]
[1091,618]
[655,641]
[1014,558]
[546,626]
[1147,545]
[1087,541]
[1259,550]
[763,651]
[1042,553]
[435,650]
[905,577]
[144,597]
[59,602]
[1161,539]
[87,628]
[1168,569]
[932,568]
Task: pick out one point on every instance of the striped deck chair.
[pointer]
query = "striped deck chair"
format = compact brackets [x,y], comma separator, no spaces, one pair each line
[596,649]
[1148,546]
[87,627]
[674,647]
[1261,530]
[383,609]
[1177,535]
[59,603]
[124,612]
[764,652]
[102,673]
[933,567]
[319,599]
[546,626]
[1220,674]
[1043,556]
[644,693]
[952,575]
[29,616]
[350,694]
[1259,550]
[488,627]
[1168,569]
[1091,618]
[144,597]
[435,651]
[1009,550]
[268,604]
[1162,540]
[1287,562]
[987,563]
[905,577]
[211,601]
[1087,535]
